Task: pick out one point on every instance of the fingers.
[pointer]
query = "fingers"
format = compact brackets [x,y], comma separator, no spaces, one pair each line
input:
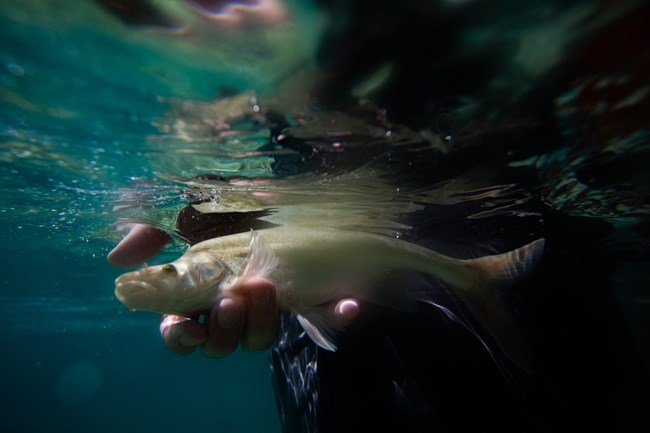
[225,325]
[263,315]
[181,334]
[250,319]
[141,243]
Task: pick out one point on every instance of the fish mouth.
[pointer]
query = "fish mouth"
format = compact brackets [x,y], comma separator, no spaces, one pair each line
[129,291]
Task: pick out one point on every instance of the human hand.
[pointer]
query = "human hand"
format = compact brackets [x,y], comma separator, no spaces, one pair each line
[140,244]
[249,318]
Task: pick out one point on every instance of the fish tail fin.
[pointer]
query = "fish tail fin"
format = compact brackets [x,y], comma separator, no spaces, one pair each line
[507,269]
[485,297]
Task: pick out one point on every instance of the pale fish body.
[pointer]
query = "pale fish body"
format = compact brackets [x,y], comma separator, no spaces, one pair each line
[315,267]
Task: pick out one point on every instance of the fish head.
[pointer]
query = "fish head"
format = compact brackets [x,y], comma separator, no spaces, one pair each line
[183,287]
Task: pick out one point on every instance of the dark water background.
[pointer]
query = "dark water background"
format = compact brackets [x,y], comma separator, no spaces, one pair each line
[89,119]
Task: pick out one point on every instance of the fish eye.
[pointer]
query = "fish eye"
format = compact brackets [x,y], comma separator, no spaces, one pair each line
[169,269]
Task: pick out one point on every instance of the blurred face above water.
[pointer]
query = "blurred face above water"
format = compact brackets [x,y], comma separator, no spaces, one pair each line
[242,32]
[252,38]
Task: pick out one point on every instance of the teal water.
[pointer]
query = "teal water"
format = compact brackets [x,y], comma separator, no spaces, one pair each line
[76,106]
[97,116]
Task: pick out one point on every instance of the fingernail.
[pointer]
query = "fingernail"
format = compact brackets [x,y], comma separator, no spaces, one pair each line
[187,341]
[347,309]
[227,313]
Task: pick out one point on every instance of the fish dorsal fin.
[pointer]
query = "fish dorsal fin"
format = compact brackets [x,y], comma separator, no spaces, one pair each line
[318,330]
[260,262]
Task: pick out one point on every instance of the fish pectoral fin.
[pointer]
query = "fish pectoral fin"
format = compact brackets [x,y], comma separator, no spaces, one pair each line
[316,327]
[261,261]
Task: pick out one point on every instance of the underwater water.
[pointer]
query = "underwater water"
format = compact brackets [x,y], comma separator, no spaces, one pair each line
[77,105]
[105,122]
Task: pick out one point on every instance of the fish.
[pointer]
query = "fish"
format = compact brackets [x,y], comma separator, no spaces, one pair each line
[315,267]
